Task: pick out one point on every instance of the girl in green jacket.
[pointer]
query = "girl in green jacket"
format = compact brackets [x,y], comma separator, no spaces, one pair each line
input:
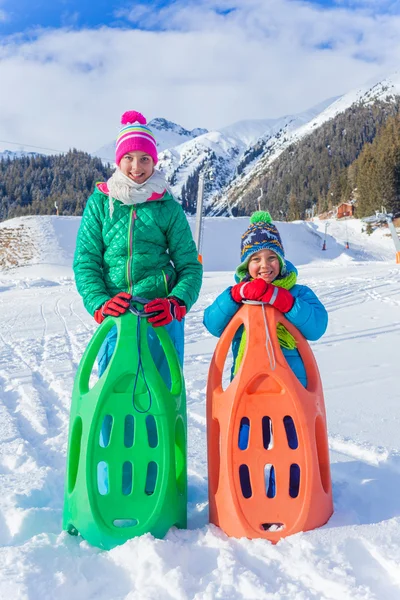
[134,240]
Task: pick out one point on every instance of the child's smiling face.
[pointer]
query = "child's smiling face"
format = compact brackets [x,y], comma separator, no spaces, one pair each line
[264,264]
[137,165]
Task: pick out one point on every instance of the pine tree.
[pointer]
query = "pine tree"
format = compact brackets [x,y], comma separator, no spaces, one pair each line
[294,212]
[377,171]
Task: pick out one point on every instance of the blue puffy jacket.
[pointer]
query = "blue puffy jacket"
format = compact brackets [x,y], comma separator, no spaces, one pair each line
[308,315]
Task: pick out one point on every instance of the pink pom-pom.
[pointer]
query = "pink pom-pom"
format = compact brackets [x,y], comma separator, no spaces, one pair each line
[131,116]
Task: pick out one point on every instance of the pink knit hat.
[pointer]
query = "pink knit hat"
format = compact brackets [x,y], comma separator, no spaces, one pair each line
[135,135]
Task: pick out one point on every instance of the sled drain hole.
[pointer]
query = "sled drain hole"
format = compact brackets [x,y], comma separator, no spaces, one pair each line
[294,481]
[272,526]
[245,484]
[105,431]
[291,432]
[121,523]
[267,433]
[129,431]
[244,433]
[151,478]
[269,481]
[102,478]
[152,434]
[127,478]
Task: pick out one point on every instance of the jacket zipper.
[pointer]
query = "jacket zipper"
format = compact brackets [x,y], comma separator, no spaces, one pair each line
[132,219]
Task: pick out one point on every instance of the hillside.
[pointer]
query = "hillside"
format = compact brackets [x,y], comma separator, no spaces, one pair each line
[49,242]
[307,169]
[349,122]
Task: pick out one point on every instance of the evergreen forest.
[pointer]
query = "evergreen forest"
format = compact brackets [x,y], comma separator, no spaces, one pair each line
[34,185]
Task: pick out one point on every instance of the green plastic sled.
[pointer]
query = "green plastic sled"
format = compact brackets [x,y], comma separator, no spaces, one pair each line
[126,462]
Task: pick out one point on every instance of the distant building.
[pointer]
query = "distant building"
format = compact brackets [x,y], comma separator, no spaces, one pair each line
[345,210]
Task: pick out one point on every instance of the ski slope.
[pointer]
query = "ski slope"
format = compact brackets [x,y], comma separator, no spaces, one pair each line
[43,332]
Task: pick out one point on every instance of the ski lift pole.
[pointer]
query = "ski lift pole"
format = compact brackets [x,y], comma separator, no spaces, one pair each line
[324,244]
[395,237]
[259,199]
[347,239]
[198,237]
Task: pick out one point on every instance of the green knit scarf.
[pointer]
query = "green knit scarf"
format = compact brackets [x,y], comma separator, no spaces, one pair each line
[285,338]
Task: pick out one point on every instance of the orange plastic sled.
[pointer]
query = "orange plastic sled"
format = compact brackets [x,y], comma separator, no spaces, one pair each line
[280,483]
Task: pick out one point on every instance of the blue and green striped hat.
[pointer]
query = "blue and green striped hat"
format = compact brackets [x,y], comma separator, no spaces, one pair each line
[261,234]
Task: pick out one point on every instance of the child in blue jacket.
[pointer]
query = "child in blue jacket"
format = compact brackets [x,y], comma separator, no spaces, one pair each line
[265,275]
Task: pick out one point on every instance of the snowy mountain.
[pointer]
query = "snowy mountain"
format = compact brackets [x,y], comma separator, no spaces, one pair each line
[272,147]
[183,153]
[219,153]
[11,155]
[167,134]
[44,330]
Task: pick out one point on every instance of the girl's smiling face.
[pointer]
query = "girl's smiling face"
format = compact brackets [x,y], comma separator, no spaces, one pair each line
[264,264]
[137,165]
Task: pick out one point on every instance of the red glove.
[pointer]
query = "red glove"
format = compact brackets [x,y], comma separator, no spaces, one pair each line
[278,297]
[115,307]
[249,290]
[167,309]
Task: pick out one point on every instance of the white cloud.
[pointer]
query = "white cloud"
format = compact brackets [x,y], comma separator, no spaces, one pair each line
[264,59]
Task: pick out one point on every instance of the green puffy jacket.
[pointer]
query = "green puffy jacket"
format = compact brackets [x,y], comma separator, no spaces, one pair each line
[146,250]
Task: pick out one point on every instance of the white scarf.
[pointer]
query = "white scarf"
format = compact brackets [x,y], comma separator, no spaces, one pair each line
[122,188]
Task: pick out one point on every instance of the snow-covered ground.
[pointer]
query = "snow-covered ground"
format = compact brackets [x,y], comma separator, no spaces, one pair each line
[43,332]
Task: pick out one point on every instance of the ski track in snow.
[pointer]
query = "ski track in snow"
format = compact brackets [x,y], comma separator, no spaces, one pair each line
[43,333]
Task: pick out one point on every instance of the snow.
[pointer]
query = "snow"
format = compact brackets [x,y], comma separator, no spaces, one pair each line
[43,332]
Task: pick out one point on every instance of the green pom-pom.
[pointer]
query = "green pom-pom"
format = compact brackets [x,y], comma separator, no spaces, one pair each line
[261,216]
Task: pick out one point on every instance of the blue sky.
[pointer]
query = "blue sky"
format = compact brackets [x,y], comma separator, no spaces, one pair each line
[24,15]
[69,69]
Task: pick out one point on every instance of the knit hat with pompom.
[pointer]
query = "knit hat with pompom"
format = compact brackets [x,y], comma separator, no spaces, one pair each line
[262,234]
[135,134]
